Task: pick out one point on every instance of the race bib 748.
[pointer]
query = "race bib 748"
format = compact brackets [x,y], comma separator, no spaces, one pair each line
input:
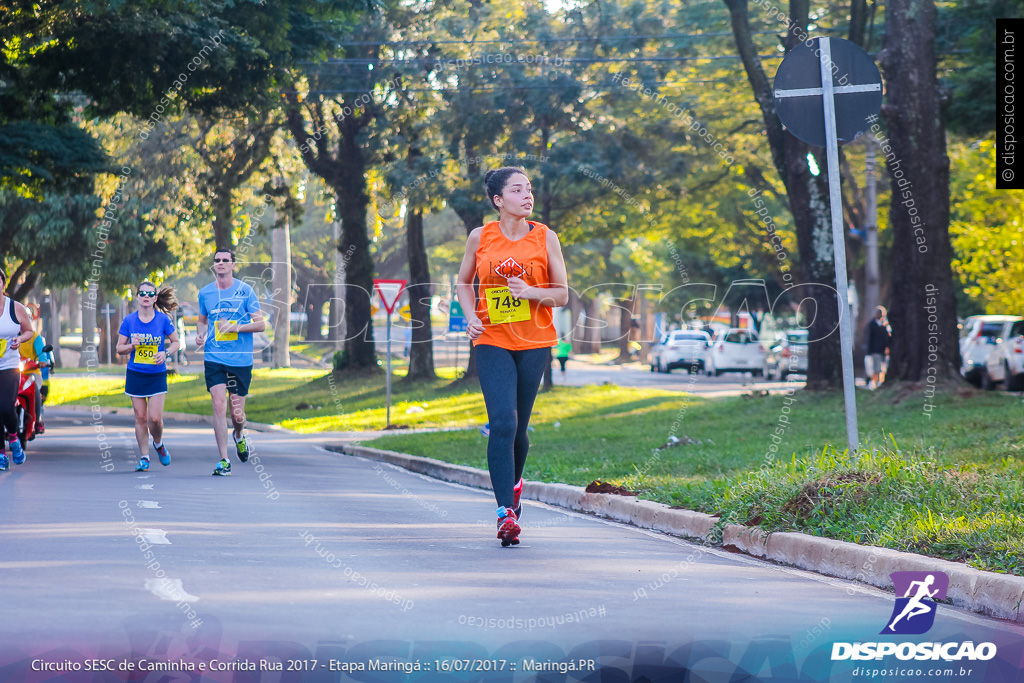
[502,307]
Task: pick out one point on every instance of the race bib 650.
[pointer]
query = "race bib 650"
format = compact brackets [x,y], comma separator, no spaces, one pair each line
[145,354]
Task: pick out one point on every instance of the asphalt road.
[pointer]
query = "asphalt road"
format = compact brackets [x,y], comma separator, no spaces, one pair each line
[579,373]
[328,564]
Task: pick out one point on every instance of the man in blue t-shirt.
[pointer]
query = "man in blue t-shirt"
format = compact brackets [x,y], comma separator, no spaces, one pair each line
[229,313]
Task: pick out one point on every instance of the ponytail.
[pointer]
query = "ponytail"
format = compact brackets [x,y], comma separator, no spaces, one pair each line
[166,300]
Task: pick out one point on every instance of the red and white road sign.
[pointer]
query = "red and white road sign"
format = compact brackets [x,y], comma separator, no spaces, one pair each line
[389,291]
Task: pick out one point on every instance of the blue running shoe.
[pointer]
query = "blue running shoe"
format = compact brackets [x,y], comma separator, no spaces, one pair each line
[4,466]
[223,469]
[165,456]
[143,465]
[17,452]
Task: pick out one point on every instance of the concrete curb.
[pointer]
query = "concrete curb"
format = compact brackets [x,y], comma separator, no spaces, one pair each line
[180,417]
[988,593]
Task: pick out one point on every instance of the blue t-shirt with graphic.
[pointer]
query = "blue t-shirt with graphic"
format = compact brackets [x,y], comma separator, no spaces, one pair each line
[237,303]
[151,340]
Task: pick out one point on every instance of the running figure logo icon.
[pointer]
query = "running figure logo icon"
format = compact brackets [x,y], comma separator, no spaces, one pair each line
[914,612]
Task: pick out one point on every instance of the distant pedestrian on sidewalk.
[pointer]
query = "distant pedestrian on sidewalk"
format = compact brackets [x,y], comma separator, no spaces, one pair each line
[522,276]
[143,335]
[879,336]
[15,330]
[229,308]
[562,352]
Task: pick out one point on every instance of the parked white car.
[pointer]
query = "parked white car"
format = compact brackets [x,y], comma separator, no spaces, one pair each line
[736,350]
[681,349]
[978,339]
[1005,363]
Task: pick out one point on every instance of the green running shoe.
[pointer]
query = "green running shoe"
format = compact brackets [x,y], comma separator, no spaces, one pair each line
[242,448]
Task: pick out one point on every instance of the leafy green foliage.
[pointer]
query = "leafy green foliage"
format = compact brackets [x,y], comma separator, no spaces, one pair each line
[986,230]
[36,156]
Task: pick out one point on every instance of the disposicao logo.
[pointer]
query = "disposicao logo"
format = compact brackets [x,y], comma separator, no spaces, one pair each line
[914,613]
[917,596]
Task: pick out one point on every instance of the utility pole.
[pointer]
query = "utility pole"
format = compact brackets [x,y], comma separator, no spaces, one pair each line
[871,275]
[281,284]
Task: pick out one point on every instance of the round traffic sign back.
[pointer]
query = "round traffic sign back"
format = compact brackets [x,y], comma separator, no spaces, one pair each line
[856,83]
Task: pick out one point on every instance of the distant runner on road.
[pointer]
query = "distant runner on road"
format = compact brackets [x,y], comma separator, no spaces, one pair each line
[142,335]
[230,309]
[522,276]
[15,329]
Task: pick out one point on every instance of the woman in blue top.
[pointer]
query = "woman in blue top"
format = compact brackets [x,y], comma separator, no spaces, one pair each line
[142,335]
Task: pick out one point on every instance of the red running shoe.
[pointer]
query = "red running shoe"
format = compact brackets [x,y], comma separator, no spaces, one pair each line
[517,492]
[508,527]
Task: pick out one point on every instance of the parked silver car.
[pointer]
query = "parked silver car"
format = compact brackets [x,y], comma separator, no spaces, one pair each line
[788,356]
[977,340]
[681,349]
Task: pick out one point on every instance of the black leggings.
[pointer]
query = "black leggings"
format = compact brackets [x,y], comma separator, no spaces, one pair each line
[9,381]
[509,381]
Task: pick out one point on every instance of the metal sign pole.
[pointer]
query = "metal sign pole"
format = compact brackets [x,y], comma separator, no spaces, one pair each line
[388,381]
[106,311]
[838,243]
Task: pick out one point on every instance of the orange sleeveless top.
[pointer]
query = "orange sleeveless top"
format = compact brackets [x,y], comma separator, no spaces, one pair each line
[510,323]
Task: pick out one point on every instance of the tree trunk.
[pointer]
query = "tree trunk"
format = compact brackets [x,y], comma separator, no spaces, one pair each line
[52,334]
[281,248]
[808,202]
[923,309]
[625,328]
[590,335]
[337,309]
[222,227]
[345,174]
[316,297]
[360,350]
[109,326]
[90,301]
[421,352]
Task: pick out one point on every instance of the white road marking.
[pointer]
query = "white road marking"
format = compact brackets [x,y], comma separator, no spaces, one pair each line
[169,589]
[155,536]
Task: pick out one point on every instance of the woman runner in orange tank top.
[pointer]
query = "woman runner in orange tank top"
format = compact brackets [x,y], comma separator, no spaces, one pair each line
[522,275]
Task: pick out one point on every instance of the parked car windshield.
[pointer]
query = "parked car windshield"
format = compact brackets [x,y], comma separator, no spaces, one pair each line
[689,336]
[991,330]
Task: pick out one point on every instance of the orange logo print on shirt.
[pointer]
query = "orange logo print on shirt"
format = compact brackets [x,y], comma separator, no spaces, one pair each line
[510,268]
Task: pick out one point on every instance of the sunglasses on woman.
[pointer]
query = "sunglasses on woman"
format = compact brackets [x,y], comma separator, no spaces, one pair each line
[144,293]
